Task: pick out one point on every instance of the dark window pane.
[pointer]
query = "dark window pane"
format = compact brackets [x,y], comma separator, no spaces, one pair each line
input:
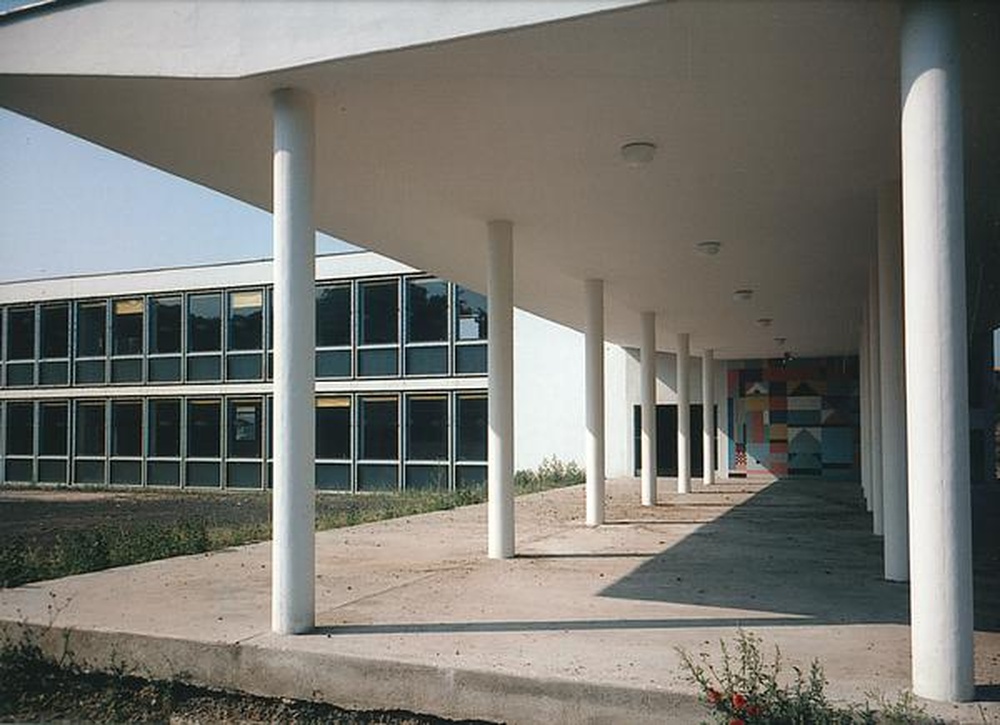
[52,429]
[19,374]
[427,360]
[243,475]
[126,371]
[90,371]
[204,367]
[202,473]
[203,435]
[127,473]
[470,359]
[163,473]
[427,311]
[88,472]
[333,476]
[90,429]
[21,334]
[53,373]
[470,315]
[52,471]
[378,477]
[244,367]
[165,325]
[164,428]
[427,428]
[55,331]
[246,321]
[333,428]
[126,429]
[470,427]
[378,421]
[164,370]
[20,429]
[244,429]
[333,315]
[470,477]
[377,363]
[427,478]
[378,312]
[91,322]
[333,364]
[19,471]
[204,323]
[126,327]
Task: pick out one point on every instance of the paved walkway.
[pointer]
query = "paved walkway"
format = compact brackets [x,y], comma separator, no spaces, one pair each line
[583,626]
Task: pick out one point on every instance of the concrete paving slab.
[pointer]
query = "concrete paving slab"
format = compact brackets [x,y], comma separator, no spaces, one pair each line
[583,626]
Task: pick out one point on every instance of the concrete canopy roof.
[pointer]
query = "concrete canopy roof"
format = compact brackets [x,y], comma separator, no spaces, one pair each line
[776,123]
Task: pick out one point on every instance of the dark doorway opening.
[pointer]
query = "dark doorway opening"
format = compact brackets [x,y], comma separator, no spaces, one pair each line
[666,439]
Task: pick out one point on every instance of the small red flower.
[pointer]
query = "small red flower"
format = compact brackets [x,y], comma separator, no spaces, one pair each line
[737,721]
[739,701]
[753,710]
[714,696]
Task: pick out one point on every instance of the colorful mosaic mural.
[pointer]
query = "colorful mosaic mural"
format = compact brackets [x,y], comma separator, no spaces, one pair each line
[795,418]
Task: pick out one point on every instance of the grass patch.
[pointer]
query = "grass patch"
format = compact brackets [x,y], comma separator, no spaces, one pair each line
[211,521]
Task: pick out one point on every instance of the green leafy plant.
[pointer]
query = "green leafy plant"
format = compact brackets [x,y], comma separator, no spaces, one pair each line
[746,687]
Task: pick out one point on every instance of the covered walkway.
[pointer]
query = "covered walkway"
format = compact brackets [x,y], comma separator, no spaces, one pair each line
[582,626]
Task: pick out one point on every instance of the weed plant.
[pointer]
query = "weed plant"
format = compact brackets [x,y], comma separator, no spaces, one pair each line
[748,688]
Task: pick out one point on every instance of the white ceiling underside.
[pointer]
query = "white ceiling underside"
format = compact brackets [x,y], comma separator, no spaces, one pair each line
[775,122]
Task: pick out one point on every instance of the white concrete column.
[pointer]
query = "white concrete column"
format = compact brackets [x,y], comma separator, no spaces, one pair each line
[293,551]
[647,393]
[864,404]
[894,498]
[500,507]
[875,405]
[683,413]
[936,356]
[723,433]
[708,415]
[594,373]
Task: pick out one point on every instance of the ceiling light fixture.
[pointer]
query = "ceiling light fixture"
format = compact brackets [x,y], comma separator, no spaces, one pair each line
[709,248]
[638,153]
[742,295]
[763,322]
[780,341]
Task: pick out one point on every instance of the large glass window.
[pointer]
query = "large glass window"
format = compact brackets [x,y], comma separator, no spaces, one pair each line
[20,438]
[427,427]
[21,334]
[203,428]
[91,322]
[378,312]
[205,323]
[52,429]
[470,315]
[55,331]
[333,315]
[333,428]
[244,429]
[164,325]
[90,429]
[126,327]
[470,427]
[246,321]
[126,429]
[426,311]
[164,428]
[378,419]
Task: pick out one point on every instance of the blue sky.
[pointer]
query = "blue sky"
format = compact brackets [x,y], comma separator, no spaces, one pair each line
[70,207]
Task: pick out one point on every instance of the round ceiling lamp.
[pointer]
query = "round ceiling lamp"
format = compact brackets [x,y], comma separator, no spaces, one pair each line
[742,295]
[709,247]
[638,153]
[780,341]
[763,322]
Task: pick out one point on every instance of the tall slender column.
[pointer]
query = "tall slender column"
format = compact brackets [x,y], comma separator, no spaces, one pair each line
[293,551]
[594,372]
[894,498]
[875,396]
[723,433]
[864,395]
[647,381]
[683,413]
[936,356]
[708,415]
[500,508]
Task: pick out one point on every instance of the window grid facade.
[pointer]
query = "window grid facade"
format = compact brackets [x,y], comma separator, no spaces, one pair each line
[195,430]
